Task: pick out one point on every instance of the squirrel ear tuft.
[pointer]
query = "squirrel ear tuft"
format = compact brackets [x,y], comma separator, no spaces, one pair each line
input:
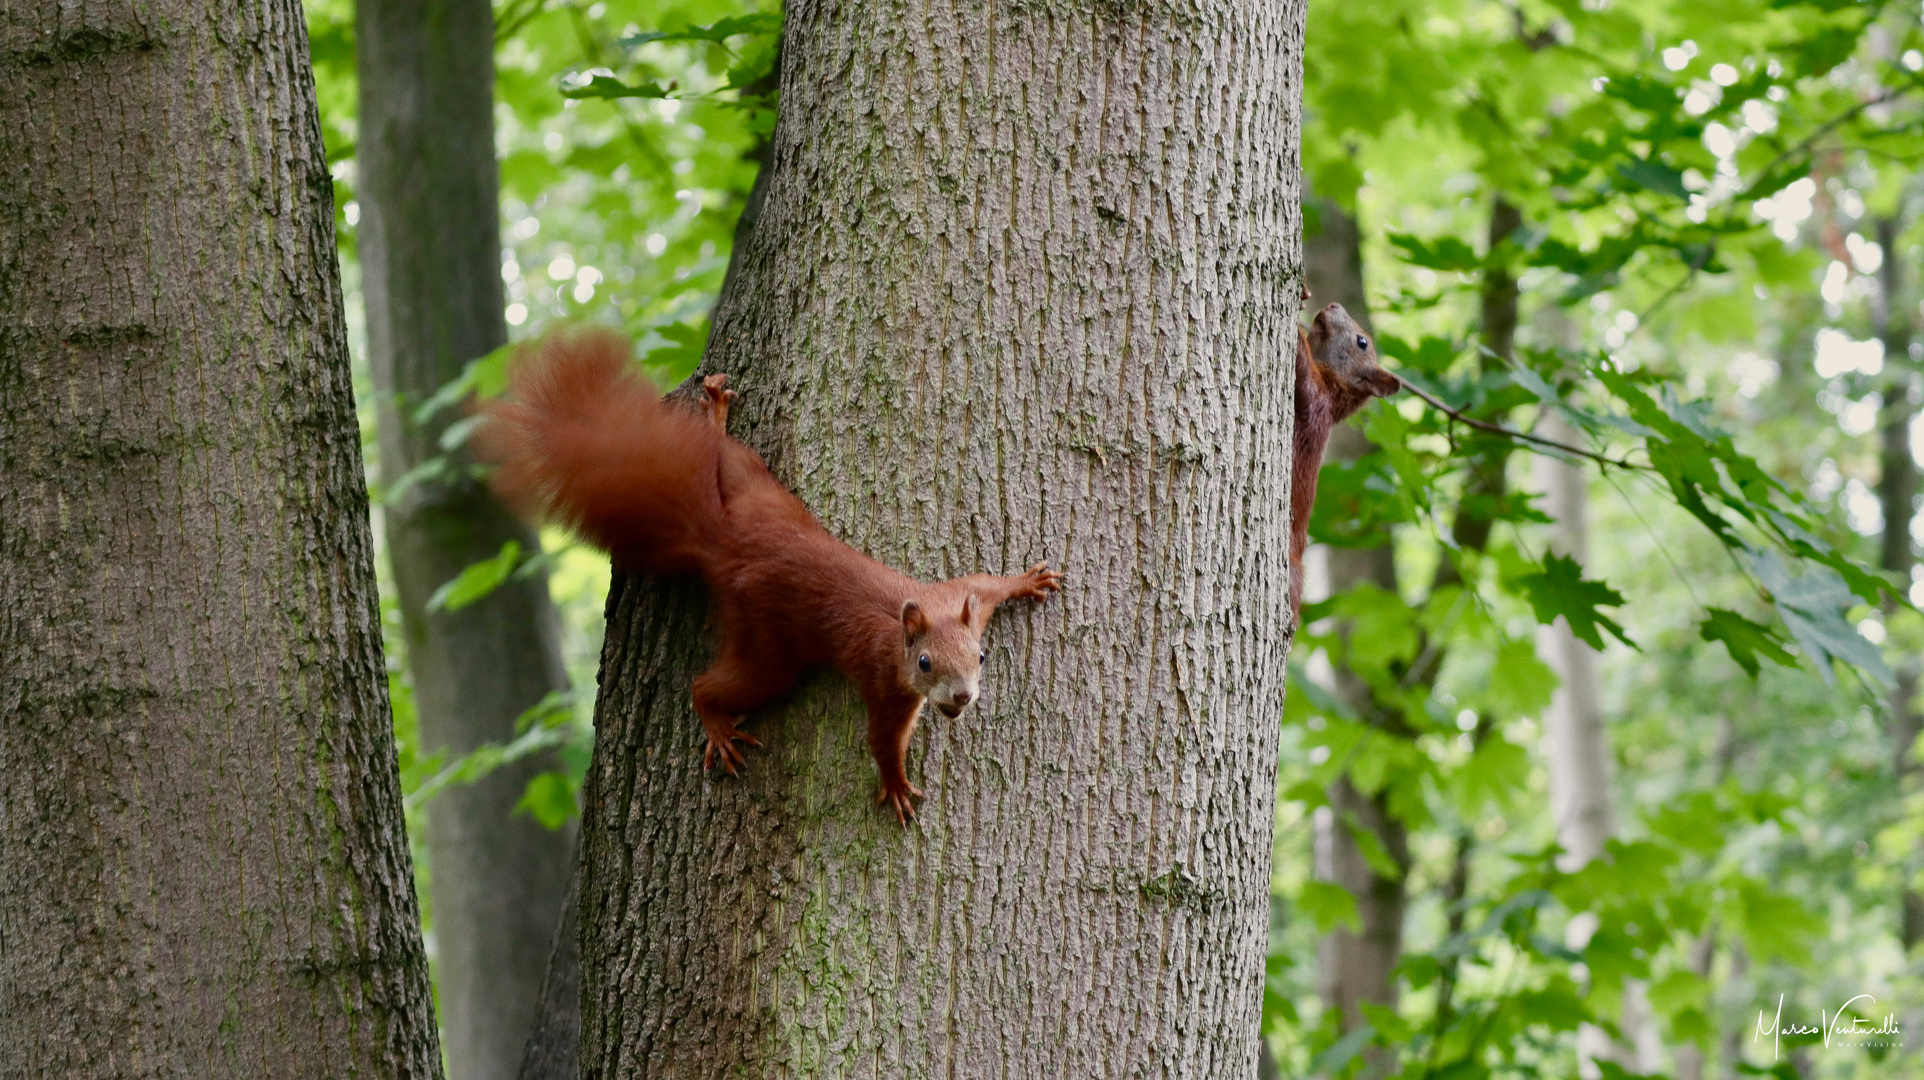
[915,622]
[968,610]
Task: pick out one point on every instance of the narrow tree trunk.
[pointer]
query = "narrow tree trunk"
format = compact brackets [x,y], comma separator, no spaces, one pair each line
[1580,798]
[1355,967]
[1485,485]
[1022,287]
[1703,952]
[203,870]
[1897,491]
[554,1047]
[431,257]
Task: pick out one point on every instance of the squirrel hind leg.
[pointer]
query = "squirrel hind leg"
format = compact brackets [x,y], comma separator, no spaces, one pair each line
[718,400]
[726,693]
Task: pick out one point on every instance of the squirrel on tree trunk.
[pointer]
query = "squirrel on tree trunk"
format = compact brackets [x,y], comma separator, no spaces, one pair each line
[584,440]
[1336,374]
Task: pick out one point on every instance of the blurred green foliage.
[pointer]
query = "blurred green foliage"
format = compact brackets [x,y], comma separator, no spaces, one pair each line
[1700,185]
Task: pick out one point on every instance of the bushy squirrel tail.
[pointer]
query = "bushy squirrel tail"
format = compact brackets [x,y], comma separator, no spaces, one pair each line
[583,439]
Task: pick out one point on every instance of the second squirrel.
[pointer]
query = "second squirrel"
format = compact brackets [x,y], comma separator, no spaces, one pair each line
[1336,374]
[586,441]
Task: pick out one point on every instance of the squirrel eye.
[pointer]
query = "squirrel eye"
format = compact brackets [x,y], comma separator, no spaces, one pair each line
[1362,342]
[985,656]
[924,664]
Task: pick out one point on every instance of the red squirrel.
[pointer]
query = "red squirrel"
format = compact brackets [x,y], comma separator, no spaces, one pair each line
[1336,373]
[582,439]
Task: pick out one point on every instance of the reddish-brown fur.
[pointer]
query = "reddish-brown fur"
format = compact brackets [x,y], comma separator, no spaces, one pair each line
[1336,373]
[584,440]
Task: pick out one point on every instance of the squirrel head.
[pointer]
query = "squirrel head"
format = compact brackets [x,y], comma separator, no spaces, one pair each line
[1348,354]
[942,654]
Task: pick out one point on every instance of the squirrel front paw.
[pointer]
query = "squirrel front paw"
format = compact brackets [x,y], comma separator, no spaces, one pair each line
[896,794]
[1038,582]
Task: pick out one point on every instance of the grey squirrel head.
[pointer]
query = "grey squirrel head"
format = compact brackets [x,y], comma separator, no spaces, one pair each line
[1348,354]
[942,654]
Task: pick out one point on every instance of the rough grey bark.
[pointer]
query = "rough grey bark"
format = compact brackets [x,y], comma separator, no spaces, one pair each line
[1355,967]
[431,261]
[1897,491]
[1022,288]
[203,870]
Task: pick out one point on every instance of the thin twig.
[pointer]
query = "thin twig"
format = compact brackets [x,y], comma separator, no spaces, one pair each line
[1833,124]
[1647,527]
[1671,293]
[1498,429]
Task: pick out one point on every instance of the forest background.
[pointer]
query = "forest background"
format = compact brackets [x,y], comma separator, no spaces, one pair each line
[1679,236]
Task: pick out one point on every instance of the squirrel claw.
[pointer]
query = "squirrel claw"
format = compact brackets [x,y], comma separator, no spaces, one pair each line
[896,796]
[721,748]
[1042,581]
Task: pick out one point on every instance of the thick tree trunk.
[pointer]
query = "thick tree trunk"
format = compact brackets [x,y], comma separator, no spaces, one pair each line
[431,257]
[203,870]
[1354,968]
[1022,288]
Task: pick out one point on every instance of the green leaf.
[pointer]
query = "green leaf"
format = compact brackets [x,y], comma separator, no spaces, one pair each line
[1443,253]
[1679,990]
[718,32]
[1307,792]
[1655,176]
[1388,1022]
[1332,1060]
[1746,640]
[484,375]
[477,580]
[1329,906]
[1561,590]
[550,799]
[1812,606]
[1520,683]
[455,435]
[1370,846]
[1556,1006]
[1495,774]
[609,88]
[1775,924]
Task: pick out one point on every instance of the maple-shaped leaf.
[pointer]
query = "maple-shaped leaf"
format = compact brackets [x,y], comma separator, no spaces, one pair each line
[1746,640]
[1561,590]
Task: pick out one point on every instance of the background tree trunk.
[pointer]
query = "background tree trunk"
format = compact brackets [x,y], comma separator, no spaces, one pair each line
[1022,288]
[1897,494]
[203,870]
[1580,798]
[431,256]
[1579,759]
[1358,967]
[554,1046]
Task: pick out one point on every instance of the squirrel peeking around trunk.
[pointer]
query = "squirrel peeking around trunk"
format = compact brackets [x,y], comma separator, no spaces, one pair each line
[584,440]
[1336,374]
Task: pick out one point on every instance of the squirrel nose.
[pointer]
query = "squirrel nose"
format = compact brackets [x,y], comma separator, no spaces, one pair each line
[962,698]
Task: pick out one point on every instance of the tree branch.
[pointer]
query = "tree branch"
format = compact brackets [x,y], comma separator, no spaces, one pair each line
[1498,429]
[1803,145]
